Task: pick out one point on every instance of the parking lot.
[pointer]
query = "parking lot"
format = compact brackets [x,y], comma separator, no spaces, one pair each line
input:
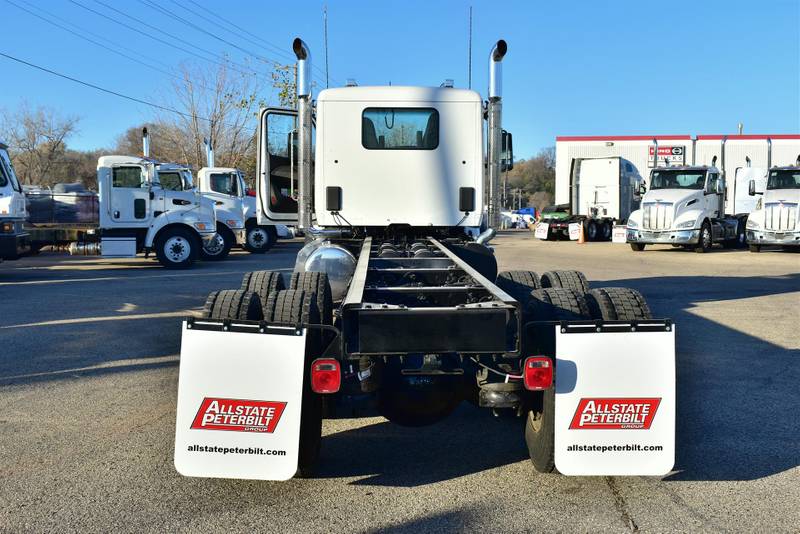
[89,352]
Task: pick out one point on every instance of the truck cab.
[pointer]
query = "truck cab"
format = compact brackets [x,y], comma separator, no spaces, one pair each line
[235,203]
[776,219]
[13,238]
[140,212]
[684,206]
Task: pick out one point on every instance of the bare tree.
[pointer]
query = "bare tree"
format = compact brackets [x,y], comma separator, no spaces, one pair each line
[37,139]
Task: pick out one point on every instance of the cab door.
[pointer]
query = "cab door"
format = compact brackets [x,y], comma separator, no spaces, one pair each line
[276,184]
[130,196]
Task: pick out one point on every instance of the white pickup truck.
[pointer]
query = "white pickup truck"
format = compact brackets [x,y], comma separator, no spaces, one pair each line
[776,219]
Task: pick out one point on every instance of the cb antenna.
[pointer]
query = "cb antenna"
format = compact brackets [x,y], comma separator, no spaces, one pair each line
[469,59]
[325,21]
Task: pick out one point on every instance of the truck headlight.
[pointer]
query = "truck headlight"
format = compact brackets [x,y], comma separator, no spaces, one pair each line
[234,223]
[200,226]
[685,224]
[632,224]
[751,224]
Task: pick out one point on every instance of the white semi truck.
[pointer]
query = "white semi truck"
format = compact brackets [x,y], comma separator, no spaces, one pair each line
[776,219]
[14,239]
[685,206]
[394,300]
[603,192]
[139,208]
[237,223]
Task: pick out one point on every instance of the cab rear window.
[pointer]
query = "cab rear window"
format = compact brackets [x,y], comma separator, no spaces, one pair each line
[400,129]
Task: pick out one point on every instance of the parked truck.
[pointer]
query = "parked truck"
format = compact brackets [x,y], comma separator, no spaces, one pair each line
[776,219]
[393,302]
[14,239]
[141,206]
[237,223]
[604,192]
[685,206]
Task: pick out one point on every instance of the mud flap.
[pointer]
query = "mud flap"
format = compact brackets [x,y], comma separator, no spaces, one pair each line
[615,399]
[240,390]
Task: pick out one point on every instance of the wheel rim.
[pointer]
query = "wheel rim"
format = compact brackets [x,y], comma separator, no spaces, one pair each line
[216,246]
[706,238]
[177,249]
[257,238]
[536,421]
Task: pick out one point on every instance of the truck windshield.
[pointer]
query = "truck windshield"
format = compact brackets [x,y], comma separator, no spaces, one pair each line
[7,172]
[400,129]
[784,179]
[226,183]
[677,179]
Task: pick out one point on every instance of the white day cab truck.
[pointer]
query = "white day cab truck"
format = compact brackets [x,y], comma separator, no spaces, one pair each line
[132,213]
[684,206]
[603,194]
[395,300]
[776,219]
[14,239]
[235,207]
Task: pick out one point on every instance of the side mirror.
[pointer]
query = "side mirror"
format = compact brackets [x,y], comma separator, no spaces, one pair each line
[506,152]
[720,189]
[642,188]
[751,188]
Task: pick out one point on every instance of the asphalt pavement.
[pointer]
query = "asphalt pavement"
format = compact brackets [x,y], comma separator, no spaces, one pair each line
[88,377]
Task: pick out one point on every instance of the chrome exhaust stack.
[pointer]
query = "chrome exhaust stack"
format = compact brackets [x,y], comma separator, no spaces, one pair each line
[495,115]
[145,143]
[305,110]
[209,153]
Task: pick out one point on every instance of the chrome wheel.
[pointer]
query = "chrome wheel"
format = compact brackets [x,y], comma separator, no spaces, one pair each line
[257,238]
[177,249]
[216,246]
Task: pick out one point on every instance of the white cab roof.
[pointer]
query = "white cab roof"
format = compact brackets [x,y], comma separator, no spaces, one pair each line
[108,161]
[398,93]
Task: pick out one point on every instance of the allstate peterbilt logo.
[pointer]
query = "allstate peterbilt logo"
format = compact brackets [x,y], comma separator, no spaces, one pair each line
[615,413]
[238,415]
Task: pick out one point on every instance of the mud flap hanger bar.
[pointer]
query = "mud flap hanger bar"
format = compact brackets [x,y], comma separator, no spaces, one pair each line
[584,327]
[334,349]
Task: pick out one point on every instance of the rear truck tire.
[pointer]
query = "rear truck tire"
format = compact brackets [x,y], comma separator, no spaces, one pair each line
[234,304]
[294,307]
[617,304]
[637,247]
[519,285]
[550,304]
[219,247]
[177,247]
[567,279]
[263,283]
[706,239]
[318,284]
[608,229]
[259,239]
[591,230]
[755,248]
[540,432]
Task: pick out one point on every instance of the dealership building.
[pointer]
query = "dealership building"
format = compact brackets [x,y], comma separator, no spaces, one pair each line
[731,151]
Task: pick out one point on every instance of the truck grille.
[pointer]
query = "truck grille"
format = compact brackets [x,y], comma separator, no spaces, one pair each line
[657,215]
[780,215]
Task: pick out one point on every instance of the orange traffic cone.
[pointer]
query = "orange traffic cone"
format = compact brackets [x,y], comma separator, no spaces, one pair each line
[581,239]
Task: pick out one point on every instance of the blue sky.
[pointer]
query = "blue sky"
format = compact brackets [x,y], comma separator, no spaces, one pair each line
[573,68]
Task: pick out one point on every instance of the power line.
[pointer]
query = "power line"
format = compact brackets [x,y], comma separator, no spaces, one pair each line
[104,90]
[96,43]
[241,29]
[224,62]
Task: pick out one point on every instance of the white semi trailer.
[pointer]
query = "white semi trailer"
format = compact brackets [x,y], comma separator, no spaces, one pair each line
[604,192]
[14,239]
[776,219]
[392,299]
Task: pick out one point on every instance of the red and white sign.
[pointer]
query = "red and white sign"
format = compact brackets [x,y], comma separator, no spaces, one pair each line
[674,155]
[238,415]
[617,414]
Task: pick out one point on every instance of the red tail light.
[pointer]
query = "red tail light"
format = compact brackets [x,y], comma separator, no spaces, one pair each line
[326,376]
[538,373]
